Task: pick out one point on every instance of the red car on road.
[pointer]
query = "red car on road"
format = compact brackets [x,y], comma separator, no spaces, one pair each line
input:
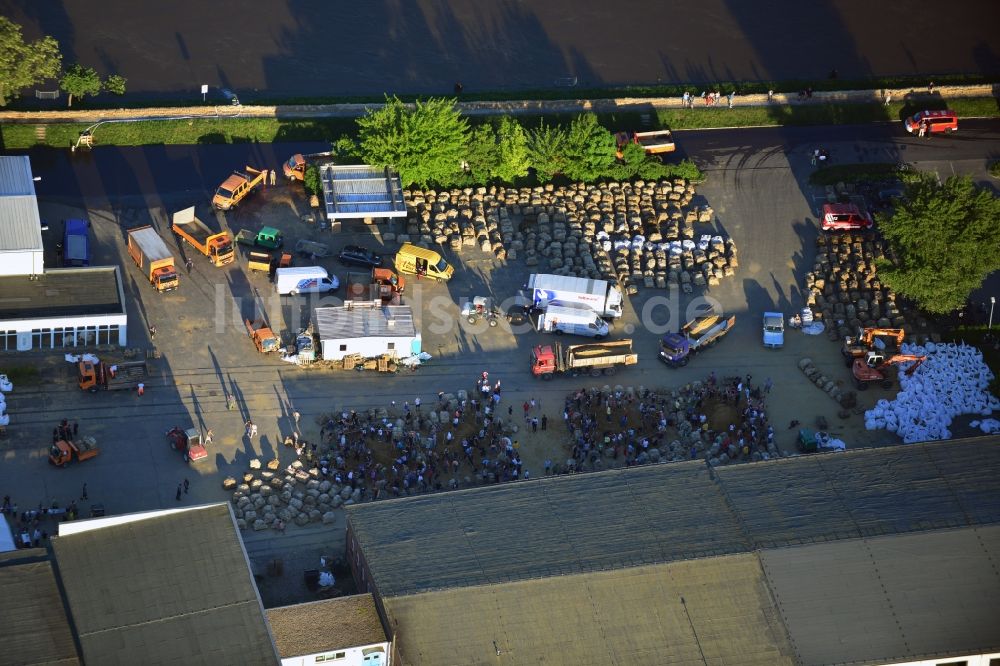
[937,122]
[845,217]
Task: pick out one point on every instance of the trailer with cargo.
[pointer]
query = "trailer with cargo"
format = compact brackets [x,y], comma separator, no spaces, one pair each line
[151,255]
[603,297]
[594,358]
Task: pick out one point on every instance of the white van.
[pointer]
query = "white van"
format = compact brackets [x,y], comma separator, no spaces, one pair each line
[294,280]
[561,319]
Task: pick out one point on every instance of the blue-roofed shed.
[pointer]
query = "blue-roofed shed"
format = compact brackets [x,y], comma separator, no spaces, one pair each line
[359,191]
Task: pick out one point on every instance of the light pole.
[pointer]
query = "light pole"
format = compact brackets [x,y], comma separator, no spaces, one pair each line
[993,300]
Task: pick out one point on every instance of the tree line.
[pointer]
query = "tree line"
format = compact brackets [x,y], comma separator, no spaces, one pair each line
[430,143]
[25,64]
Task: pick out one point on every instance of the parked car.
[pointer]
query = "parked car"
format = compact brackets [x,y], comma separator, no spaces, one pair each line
[844,217]
[938,122]
[356,255]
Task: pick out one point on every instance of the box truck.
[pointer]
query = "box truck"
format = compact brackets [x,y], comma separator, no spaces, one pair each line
[304,280]
[575,320]
[602,297]
[76,243]
[151,255]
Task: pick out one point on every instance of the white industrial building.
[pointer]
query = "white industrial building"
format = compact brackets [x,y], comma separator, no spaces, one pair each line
[367,328]
[21,251]
[60,308]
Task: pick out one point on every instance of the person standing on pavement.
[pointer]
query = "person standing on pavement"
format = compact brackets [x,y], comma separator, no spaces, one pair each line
[83,495]
[186,485]
[152,332]
[189,264]
[274,177]
[179,487]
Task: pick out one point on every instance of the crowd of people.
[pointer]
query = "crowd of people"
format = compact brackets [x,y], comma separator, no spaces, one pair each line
[622,428]
[471,438]
[414,449]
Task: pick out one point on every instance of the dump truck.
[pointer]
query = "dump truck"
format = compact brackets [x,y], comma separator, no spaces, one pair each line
[93,376]
[381,284]
[151,255]
[218,247]
[263,337]
[697,335]
[64,451]
[237,186]
[268,238]
[596,358]
[653,142]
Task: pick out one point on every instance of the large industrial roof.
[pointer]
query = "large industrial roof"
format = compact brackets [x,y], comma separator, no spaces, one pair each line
[20,225]
[549,527]
[35,627]
[867,492]
[360,191]
[662,513]
[713,611]
[325,626]
[62,292]
[890,599]
[344,322]
[862,550]
[167,587]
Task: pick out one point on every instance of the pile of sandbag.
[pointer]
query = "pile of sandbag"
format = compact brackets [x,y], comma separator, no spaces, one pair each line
[953,380]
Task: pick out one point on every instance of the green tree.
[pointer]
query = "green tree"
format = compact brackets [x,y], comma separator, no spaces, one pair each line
[944,239]
[590,149]
[425,144]
[311,181]
[114,84]
[547,151]
[482,155]
[512,151]
[80,81]
[24,64]
[345,150]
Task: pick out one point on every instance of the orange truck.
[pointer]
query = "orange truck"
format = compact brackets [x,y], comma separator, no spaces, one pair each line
[151,255]
[262,336]
[237,186]
[218,247]
[295,167]
[62,452]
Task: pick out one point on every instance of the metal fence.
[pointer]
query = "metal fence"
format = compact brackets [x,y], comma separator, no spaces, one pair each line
[47,94]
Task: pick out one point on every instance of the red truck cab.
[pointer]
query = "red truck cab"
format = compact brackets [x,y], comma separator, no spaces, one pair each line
[845,217]
[937,122]
[543,361]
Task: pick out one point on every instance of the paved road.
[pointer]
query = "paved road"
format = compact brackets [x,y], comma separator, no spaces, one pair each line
[108,173]
[344,47]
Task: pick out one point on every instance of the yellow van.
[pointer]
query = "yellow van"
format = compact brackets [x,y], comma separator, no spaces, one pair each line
[422,262]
